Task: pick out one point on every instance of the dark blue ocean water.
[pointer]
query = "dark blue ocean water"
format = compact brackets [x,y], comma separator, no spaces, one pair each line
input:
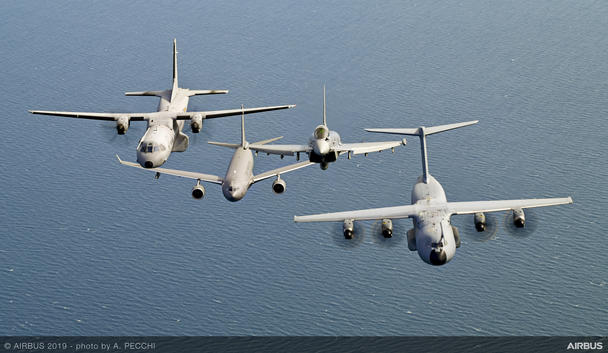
[92,248]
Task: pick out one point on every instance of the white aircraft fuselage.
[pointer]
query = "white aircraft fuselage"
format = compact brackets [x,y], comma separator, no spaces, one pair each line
[239,175]
[163,131]
[435,240]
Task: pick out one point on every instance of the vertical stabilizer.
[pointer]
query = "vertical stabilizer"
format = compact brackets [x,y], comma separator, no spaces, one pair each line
[243,141]
[324,114]
[175,86]
[422,132]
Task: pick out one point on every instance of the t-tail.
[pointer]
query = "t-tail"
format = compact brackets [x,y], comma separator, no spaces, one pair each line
[422,132]
[244,144]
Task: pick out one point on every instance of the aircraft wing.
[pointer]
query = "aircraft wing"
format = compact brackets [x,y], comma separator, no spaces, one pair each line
[284,150]
[192,175]
[230,112]
[366,147]
[278,171]
[362,215]
[95,116]
[503,205]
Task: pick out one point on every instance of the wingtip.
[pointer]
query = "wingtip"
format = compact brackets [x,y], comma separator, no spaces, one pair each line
[291,106]
[570,199]
[119,160]
[295,219]
[31,111]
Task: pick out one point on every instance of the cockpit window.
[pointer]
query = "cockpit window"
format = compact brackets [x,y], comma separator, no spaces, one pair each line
[143,148]
[321,132]
[155,148]
[149,147]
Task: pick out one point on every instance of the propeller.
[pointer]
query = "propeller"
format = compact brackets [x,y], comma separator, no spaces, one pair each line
[467,229]
[529,227]
[108,131]
[337,235]
[399,233]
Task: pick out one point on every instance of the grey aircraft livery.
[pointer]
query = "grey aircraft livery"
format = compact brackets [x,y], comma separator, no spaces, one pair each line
[433,236]
[239,176]
[164,132]
[325,146]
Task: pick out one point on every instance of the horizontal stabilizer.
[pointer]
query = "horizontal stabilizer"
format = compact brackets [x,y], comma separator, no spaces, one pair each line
[263,142]
[202,92]
[224,144]
[149,93]
[424,130]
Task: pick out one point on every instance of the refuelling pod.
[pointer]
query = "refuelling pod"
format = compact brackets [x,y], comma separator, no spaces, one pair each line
[198,191]
[122,125]
[519,218]
[480,221]
[387,228]
[196,123]
[348,228]
[278,186]
[411,239]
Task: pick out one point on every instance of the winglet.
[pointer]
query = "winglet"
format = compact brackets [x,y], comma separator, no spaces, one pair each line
[119,160]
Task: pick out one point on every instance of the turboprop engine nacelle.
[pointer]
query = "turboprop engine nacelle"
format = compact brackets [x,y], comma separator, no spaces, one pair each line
[387,228]
[196,123]
[122,125]
[278,186]
[198,191]
[348,228]
[519,218]
[480,221]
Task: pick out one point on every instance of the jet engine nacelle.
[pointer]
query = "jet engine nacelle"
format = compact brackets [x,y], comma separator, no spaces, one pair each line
[122,125]
[348,228]
[196,123]
[519,218]
[387,228]
[278,186]
[198,191]
[480,221]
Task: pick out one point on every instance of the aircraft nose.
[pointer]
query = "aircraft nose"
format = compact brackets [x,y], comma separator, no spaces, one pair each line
[438,258]
[321,147]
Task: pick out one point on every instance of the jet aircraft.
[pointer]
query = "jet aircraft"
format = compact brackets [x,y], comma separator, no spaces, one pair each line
[239,176]
[164,132]
[325,145]
[433,236]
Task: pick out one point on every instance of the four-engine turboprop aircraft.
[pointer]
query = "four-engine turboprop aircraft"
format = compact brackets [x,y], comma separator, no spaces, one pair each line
[164,132]
[325,146]
[433,236]
[239,176]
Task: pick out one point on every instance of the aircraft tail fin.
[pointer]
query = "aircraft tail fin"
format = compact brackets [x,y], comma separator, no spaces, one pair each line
[422,132]
[324,113]
[174,63]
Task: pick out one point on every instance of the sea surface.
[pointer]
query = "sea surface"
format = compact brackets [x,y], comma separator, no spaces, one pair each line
[89,247]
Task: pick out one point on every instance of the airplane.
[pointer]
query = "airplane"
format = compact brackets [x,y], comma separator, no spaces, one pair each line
[433,236]
[164,131]
[239,175]
[325,145]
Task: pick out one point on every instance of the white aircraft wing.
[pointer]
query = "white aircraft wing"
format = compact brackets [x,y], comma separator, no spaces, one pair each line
[367,147]
[503,205]
[192,175]
[284,150]
[278,171]
[362,215]
[230,112]
[95,116]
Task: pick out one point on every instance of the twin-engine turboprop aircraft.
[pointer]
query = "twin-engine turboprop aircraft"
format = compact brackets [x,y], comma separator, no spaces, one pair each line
[325,146]
[239,176]
[433,236]
[164,132]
